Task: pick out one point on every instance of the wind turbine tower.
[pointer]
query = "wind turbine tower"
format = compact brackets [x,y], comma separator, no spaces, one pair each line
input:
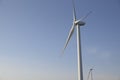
[77,24]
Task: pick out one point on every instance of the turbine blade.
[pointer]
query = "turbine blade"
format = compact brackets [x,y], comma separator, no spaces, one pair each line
[74,11]
[69,37]
[85,16]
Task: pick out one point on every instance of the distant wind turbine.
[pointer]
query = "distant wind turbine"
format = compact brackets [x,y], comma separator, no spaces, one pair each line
[90,74]
[77,24]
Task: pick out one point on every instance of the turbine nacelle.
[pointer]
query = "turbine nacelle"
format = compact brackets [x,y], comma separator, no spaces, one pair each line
[80,23]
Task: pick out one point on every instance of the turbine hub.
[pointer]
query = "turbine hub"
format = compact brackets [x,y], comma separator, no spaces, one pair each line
[80,23]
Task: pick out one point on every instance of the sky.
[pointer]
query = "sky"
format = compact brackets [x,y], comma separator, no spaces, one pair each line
[33,34]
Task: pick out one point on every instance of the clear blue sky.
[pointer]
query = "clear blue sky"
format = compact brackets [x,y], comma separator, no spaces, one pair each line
[33,33]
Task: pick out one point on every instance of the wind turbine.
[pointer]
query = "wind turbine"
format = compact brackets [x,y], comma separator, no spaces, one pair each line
[77,24]
[90,74]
